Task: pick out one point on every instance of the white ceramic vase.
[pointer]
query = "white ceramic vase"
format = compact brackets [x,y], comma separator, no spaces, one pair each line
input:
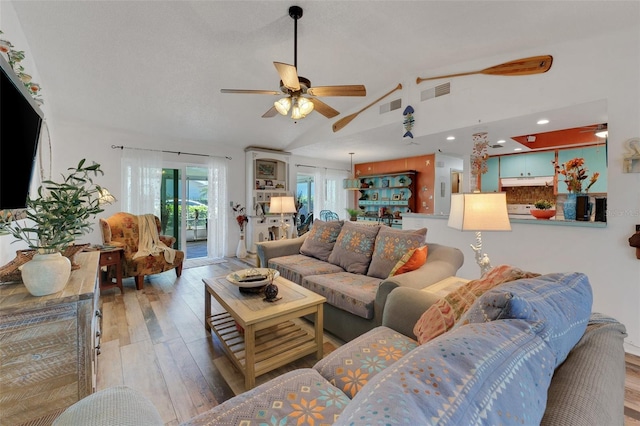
[241,251]
[46,273]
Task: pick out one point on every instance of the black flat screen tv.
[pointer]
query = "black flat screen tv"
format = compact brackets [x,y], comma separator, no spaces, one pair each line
[20,124]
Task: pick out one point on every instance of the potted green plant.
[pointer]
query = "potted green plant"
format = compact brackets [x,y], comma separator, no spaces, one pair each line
[543,210]
[61,212]
[353,213]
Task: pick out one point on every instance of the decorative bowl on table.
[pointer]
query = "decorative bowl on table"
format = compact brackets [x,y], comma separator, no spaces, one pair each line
[543,214]
[253,277]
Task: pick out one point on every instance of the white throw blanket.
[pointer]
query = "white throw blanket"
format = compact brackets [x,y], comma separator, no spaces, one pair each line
[150,244]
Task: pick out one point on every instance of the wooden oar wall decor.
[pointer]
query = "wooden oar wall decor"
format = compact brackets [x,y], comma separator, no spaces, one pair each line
[524,66]
[340,124]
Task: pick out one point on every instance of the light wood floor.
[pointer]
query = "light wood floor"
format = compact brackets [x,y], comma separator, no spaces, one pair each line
[154,340]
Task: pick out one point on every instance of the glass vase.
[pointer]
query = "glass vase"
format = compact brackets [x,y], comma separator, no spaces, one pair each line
[569,207]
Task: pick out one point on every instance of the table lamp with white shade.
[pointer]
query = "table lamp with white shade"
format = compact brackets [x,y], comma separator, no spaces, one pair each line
[479,211]
[282,205]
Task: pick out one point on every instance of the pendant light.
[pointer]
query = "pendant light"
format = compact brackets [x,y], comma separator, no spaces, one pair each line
[352,184]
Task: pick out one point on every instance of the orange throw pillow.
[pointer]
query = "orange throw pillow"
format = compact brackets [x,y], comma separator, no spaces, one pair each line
[412,260]
[443,314]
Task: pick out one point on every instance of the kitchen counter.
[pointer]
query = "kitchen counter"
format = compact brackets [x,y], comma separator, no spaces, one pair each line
[518,221]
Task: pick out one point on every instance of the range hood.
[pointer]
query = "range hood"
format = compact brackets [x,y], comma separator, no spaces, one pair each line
[528,181]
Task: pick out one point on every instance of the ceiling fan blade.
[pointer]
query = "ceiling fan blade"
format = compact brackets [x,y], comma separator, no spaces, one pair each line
[288,75]
[271,113]
[251,92]
[349,90]
[323,108]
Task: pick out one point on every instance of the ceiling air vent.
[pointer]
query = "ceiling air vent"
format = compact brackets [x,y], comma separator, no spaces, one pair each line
[393,105]
[434,92]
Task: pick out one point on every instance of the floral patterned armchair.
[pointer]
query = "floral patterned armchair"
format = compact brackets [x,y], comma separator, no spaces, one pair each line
[122,230]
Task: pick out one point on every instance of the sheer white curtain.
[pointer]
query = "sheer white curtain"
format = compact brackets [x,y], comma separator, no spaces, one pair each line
[217,218]
[141,181]
[329,193]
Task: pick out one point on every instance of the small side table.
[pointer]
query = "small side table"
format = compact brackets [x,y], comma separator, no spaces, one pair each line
[111,257]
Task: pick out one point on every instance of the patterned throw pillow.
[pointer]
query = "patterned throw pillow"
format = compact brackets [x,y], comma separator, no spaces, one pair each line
[354,247]
[322,236]
[411,261]
[391,245]
[560,302]
[443,314]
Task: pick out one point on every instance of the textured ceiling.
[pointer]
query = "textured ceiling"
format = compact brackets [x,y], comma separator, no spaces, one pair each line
[156,68]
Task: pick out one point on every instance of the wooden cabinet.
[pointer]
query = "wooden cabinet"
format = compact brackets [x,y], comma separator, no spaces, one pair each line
[49,345]
[595,160]
[527,165]
[267,177]
[491,179]
[388,193]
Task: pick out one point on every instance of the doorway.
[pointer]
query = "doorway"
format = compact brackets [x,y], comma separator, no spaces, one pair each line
[305,189]
[185,216]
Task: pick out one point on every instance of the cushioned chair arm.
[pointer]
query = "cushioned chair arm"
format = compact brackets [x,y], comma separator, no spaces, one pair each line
[442,262]
[403,308]
[269,249]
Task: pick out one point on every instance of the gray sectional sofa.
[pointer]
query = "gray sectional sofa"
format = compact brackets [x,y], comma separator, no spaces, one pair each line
[355,277]
[526,352]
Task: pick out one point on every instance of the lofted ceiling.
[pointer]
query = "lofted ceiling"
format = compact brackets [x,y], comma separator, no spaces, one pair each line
[156,67]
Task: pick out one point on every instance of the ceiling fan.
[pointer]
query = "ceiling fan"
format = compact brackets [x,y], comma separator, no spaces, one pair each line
[599,130]
[294,87]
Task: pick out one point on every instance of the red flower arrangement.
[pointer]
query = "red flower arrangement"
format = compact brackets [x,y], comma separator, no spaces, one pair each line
[241,216]
[574,173]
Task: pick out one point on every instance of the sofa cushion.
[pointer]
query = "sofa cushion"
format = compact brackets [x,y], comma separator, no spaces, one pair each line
[490,373]
[582,391]
[321,239]
[117,405]
[354,293]
[411,261]
[300,397]
[560,301]
[354,247]
[297,266]
[391,244]
[351,366]
[442,315]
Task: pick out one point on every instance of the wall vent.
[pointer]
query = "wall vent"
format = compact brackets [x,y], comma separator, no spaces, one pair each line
[434,92]
[440,164]
[391,106]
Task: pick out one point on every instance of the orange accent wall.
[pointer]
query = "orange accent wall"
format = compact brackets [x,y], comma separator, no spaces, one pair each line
[424,165]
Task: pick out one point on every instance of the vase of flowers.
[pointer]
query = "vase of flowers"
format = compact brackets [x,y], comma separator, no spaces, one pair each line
[241,219]
[575,172]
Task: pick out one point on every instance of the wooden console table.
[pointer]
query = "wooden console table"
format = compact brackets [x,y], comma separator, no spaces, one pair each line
[49,345]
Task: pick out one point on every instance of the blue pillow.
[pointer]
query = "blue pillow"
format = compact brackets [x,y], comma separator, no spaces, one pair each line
[489,373]
[561,302]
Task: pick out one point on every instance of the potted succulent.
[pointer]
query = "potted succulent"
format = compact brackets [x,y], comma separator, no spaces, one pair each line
[353,214]
[60,213]
[543,210]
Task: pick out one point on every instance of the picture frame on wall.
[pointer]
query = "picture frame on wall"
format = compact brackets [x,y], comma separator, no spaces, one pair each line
[385,183]
[266,169]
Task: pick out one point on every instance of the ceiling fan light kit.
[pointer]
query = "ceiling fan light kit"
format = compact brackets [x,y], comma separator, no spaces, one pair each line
[294,87]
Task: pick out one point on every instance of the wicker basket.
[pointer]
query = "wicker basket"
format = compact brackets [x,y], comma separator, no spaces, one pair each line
[11,272]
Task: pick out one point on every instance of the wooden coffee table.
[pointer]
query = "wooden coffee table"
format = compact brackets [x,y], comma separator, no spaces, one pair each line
[266,338]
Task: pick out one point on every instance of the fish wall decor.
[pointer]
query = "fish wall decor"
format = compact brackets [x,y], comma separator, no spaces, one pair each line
[408,121]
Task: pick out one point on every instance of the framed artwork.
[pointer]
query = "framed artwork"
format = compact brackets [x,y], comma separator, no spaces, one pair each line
[268,183]
[396,197]
[385,183]
[266,169]
[374,196]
